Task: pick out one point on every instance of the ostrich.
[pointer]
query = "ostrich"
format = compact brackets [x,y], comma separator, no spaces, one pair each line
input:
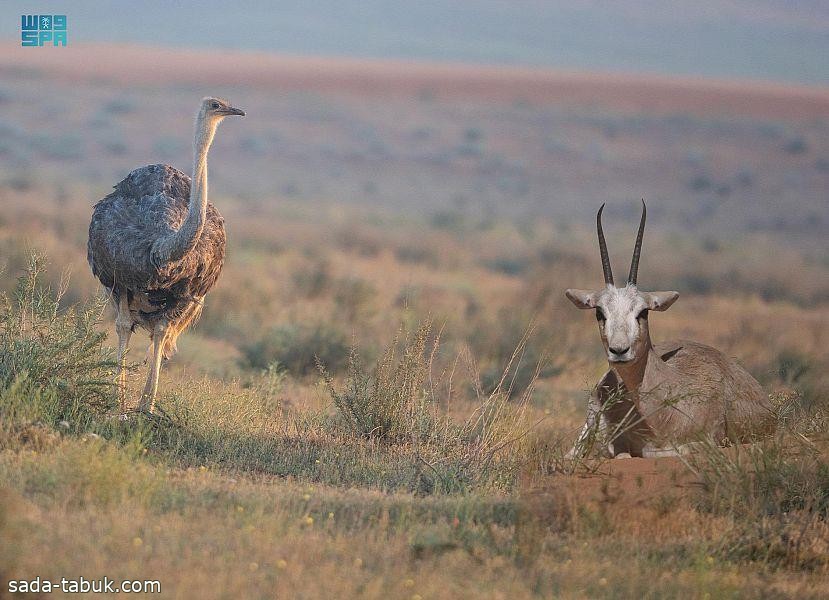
[158,247]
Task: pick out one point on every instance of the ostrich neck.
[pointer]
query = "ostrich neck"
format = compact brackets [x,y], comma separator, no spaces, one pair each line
[184,240]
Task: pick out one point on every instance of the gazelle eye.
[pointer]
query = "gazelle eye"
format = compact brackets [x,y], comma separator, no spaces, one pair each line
[643,314]
[600,315]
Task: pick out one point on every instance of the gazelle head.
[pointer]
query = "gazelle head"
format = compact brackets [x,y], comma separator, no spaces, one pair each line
[622,312]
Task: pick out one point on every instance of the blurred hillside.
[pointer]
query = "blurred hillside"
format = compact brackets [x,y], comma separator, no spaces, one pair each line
[459,143]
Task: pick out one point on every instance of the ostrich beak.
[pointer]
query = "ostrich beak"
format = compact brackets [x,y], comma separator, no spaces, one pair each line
[234,111]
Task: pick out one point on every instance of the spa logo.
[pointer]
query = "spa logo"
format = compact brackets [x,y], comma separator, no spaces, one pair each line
[39,30]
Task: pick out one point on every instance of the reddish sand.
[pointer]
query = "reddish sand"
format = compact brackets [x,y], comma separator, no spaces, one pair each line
[630,489]
[143,65]
[633,481]
[631,494]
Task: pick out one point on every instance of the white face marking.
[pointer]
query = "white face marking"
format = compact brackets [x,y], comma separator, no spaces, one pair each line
[621,328]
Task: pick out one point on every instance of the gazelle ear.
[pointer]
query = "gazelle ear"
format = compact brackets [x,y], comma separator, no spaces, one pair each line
[660,300]
[582,298]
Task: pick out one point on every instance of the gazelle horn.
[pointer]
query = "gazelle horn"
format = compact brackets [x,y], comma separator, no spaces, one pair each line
[608,272]
[637,249]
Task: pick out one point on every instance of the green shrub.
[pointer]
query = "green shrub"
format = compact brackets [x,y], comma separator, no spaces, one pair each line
[296,346]
[391,402]
[801,374]
[313,281]
[509,264]
[52,362]
[119,106]
[397,404]
[354,297]
[448,220]
[61,147]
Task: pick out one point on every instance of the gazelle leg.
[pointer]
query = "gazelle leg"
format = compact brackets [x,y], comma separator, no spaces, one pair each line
[147,403]
[578,449]
[652,451]
[590,430]
[123,327]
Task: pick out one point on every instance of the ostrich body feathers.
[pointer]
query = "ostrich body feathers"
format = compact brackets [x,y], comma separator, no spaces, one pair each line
[149,205]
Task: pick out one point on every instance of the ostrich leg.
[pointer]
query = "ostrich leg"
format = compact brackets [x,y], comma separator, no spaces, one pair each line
[123,327]
[151,388]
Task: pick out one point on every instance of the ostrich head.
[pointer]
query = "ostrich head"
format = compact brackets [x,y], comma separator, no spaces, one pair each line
[622,313]
[213,110]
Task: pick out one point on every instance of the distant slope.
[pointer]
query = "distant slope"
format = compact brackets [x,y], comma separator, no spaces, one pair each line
[458,143]
[160,66]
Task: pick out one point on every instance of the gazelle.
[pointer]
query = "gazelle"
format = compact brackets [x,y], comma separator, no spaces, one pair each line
[654,400]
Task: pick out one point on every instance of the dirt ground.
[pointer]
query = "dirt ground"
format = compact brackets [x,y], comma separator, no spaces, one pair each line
[626,484]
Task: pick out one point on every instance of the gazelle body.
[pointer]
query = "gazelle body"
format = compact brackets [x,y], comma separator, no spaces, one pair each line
[655,399]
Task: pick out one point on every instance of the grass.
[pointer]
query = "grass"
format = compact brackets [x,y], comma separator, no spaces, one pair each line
[402,480]
[775,493]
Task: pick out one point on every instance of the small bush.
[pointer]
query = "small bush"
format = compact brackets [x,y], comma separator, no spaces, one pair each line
[168,147]
[796,145]
[61,147]
[801,374]
[495,342]
[792,366]
[397,404]
[700,183]
[353,297]
[391,402]
[448,220]
[513,266]
[115,147]
[313,281]
[696,283]
[52,362]
[417,253]
[119,106]
[296,346]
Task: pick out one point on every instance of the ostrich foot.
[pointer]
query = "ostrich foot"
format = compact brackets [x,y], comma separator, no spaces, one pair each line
[121,416]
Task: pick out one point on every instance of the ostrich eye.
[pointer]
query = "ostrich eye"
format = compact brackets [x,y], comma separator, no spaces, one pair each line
[215,105]
[643,314]
[600,315]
